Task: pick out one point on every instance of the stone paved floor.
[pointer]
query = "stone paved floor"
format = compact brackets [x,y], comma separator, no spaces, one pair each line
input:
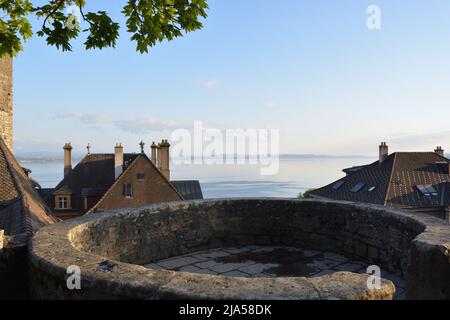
[259,261]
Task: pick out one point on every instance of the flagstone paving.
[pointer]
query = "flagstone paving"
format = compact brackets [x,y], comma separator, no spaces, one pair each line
[263,262]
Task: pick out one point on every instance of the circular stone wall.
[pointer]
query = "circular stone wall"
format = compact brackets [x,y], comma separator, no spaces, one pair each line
[110,247]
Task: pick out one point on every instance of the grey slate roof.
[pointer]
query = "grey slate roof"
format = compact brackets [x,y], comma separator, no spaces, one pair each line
[189,189]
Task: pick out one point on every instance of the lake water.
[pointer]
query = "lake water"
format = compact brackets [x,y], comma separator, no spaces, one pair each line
[232,181]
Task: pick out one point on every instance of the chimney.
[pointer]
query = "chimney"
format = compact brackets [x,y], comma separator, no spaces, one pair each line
[384,152]
[154,147]
[439,151]
[118,160]
[158,157]
[163,158]
[67,158]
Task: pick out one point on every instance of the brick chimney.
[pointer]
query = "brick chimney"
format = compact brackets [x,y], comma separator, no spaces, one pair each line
[118,160]
[154,149]
[163,158]
[439,151]
[384,152]
[67,158]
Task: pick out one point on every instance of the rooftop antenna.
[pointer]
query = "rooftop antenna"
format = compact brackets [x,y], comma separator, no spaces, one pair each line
[142,144]
[88,147]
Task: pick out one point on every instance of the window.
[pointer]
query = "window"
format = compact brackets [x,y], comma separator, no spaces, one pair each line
[141,176]
[427,190]
[372,189]
[338,185]
[128,190]
[358,187]
[62,202]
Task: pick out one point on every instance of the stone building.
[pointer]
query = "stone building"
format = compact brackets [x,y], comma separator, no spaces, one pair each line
[102,182]
[6,102]
[416,181]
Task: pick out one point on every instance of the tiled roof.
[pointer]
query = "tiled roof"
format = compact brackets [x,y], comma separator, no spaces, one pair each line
[395,181]
[413,169]
[189,189]
[22,210]
[8,190]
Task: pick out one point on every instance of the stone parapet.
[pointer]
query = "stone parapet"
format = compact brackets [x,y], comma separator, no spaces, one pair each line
[109,248]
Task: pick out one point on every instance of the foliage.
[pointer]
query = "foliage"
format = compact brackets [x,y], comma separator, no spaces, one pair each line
[149,22]
[306,194]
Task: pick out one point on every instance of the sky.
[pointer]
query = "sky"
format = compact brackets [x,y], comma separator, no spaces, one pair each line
[311,69]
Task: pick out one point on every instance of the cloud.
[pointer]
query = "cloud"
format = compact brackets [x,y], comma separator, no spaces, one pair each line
[209,84]
[87,118]
[271,104]
[149,124]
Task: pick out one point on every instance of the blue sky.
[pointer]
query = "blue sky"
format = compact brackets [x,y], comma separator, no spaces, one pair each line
[309,68]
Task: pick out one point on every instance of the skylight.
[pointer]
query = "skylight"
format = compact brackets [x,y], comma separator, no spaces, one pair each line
[358,187]
[338,185]
[427,190]
[371,189]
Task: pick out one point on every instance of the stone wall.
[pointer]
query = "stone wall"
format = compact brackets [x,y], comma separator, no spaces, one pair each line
[6,102]
[139,236]
[359,232]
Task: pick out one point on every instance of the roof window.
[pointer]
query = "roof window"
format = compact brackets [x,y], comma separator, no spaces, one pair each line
[358,187]
[427,190]
[338,185]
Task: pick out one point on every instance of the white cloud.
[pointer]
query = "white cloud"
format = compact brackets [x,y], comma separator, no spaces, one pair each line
[149,124]
[271,104]
[209,84]
[87,118]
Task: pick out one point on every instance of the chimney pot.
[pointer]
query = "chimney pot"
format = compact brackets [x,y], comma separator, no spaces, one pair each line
[163,158]
[384,152]
[118,160]
[67,158]
[439,151]
[154,147]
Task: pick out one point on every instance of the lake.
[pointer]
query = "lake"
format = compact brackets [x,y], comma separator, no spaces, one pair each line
[295,175]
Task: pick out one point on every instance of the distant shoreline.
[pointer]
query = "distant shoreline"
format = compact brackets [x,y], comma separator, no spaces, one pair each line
[24,158]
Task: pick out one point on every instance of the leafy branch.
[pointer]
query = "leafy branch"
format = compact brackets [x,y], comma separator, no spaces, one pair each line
[149,22]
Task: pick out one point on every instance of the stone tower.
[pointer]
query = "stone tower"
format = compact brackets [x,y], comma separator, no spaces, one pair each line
[6,101]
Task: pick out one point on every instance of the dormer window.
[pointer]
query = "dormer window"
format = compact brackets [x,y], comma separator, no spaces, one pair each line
[62,202]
